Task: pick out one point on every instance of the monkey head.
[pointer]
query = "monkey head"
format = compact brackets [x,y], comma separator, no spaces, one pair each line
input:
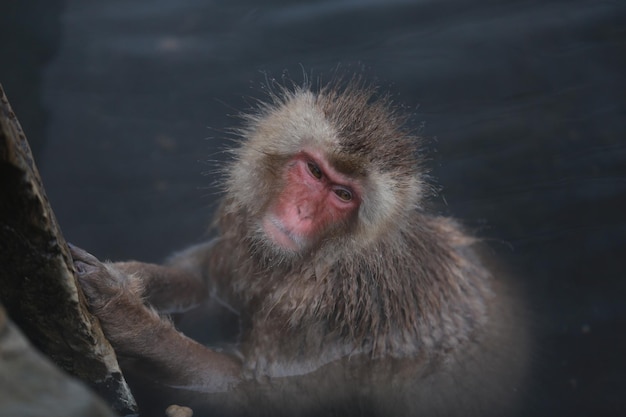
[334,167]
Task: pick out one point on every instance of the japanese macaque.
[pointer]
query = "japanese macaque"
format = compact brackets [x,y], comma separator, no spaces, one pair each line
[353,298]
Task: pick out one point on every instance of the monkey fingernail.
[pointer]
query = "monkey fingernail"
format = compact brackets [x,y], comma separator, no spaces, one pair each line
[83,268]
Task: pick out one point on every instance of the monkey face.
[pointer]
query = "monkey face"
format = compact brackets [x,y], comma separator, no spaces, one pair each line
[315,200]
[304,178]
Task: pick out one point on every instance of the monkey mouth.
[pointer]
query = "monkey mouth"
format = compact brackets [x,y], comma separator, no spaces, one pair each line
[278,234]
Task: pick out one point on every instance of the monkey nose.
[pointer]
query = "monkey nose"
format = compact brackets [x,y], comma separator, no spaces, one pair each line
[304,212]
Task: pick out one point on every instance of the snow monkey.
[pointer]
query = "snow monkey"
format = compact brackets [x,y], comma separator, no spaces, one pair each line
[353,297]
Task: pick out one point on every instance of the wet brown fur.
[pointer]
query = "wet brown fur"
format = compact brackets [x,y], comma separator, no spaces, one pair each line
[395,292]
[413,289]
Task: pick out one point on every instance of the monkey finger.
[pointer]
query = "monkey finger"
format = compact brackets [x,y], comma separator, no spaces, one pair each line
[88,268]
[94,277]
[91,283]
[83,256]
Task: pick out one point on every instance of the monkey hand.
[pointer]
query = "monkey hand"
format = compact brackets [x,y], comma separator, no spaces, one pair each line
[103,283]
[115,297]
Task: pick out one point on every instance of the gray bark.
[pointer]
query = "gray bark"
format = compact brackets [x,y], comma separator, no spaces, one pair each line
[38,285]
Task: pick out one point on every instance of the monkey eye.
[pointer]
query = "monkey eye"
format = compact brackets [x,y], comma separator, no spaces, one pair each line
[314,170]
[343,194]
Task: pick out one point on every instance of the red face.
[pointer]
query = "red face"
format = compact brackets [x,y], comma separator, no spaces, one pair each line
[314,199]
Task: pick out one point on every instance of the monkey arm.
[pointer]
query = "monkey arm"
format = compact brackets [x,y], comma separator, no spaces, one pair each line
[166,289]
[138,332]
[211,263]
[194,259]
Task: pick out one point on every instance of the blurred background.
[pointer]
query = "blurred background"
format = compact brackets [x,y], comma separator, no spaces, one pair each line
[127,103]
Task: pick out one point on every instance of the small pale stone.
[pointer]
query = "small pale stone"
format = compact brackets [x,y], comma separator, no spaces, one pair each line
[178,411]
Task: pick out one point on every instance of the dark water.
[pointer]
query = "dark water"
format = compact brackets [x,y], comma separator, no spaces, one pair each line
[125,103]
